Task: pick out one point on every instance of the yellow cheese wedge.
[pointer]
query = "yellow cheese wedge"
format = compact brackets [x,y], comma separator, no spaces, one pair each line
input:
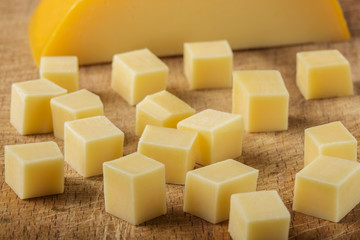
[95,30]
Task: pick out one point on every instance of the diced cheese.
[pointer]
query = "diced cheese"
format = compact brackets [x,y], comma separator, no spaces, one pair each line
[208,189]
[89,142]
[161,109]
[137,74]
[208,64]
[331,139]
[95,30]
[262,99]
[61,70]
[175,148]
[34,169]
[30,111]
[323,74]
[220,134]
[72,106]
[258,215]
[134,188]
[327,188]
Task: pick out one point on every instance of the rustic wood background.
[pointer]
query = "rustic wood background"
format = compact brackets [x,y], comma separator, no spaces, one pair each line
[79,212]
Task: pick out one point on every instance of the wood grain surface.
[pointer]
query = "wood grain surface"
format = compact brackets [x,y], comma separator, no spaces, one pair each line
[79,213]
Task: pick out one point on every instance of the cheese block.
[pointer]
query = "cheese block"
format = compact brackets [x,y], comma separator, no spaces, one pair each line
[34,169]
[208,189]
[95,30]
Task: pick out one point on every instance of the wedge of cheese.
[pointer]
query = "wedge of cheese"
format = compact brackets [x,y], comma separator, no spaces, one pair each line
[94,30]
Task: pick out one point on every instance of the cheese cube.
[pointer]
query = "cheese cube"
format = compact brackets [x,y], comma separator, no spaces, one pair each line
[34,169]
[30,111]
[161,109]
[137,74]
[72,106]
[134,188]
[331,139]
[208,64]
[261,97]
[258,215]
[62,70]
[323,74]
[91,141]
[327,188]
[220,134]
[208,189]
[175,148]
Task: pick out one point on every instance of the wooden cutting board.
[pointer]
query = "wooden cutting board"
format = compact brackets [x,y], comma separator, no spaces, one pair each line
[79,212]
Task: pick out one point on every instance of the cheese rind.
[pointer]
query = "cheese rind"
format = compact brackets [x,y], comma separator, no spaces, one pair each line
[57,27]
[323,74]
[258,215]
[134,188]
[220,134]
[175,148]
[262,99]
[208,189]
[331,139]
[89,142]
[61,70]
[137,74]
[161,109]
[208,64]
[34,169]
[30,111]
[72,106]
[327,188]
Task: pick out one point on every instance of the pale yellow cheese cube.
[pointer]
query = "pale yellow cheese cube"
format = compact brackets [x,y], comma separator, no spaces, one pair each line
[208,64]
[258,215]
[331,139]
[208,189]
[62,70]
[262,99]
[220,134]
[327,188]
[137,74]
[30,111]
[134,188]
[323,74]
[72,106]
[89,142]
[34,169]
[175,148]
[161,109]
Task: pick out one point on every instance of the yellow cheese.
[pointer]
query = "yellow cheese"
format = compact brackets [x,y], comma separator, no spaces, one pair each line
[175,148]
[89,142]
[134,188]
[64,71]
[95,30]
[258,215]
[30,111]
[262,99]
[34,169]
[72,106]
[208,64]
[137,74]
[161,109]
[322,74]
[220,134]
[331,139]
[208,189]
[327,188]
